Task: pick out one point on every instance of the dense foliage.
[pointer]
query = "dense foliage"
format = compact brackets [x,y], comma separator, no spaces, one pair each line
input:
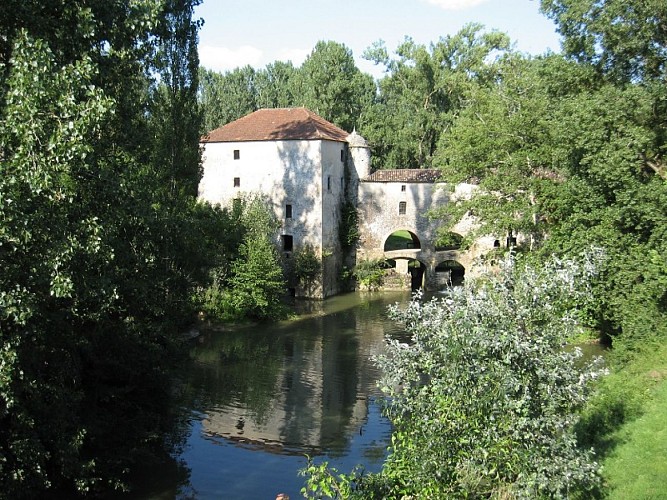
[369,274]
[484,398]
[99,165]
[328,83]
[103,247]
[568,151]
[247,274]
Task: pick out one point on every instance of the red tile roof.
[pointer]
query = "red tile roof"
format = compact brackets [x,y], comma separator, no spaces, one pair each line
[429,175]
[280,124]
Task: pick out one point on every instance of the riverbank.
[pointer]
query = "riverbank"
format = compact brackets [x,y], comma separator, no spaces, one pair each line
[632,437]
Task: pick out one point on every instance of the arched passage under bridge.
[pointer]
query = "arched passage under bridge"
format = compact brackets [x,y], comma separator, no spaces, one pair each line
[411,272]
[449,273]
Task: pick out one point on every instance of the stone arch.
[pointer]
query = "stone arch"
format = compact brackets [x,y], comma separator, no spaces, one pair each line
[449,273]
[415,268]
[401,239]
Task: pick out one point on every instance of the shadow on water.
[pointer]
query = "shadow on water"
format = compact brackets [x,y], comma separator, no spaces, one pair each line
[256,399]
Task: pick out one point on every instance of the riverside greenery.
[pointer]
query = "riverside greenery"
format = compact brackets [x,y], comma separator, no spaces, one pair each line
[484,398]
[99,167]
[248,280]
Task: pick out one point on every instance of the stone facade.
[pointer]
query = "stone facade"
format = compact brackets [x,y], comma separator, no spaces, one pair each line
[305,168]
[303,181]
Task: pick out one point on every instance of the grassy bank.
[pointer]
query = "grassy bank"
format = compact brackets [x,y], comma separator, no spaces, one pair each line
[626,424]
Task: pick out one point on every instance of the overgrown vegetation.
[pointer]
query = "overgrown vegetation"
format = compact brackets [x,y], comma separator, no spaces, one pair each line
[307,265]
[484,399]
[369,274]
[348,229]
[567,150]
[248,281]
[103,246]
[99,167]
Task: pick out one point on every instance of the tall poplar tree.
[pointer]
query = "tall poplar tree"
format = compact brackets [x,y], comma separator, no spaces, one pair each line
[97,164]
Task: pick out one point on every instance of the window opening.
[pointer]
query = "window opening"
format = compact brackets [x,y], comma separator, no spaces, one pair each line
[288,242]
[401,208]
[237,154]
[237,182]
[403,187]
[288,211]
[329,183]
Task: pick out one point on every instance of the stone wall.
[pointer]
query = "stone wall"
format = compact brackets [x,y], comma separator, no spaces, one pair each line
[307,176]
[379,205]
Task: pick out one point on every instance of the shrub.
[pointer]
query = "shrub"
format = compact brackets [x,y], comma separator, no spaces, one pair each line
[369,274]
[485,398]
[307,265]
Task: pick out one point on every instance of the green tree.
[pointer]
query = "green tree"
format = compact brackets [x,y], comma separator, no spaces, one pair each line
[423,89]
[612,198]
[504,141]
[624,39]
[249,281]
[330,84]
[226,97]
[484,398]
[49,244]
[274,85]
[93,287]
[257,283]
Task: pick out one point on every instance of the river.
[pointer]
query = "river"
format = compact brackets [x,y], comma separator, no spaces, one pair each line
[259,398]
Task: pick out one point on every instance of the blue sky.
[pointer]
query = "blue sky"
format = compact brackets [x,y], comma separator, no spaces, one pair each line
[258,32]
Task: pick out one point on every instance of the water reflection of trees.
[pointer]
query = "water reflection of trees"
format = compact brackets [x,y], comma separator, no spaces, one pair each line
[322,368]
[301,385]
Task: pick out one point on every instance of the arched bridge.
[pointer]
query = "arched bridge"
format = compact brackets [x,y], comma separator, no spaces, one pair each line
[394,226]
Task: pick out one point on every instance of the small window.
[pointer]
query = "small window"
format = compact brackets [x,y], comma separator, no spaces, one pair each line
[237,182]
[288,211]
[237,154]
[401,208]
[329,183]
[342,155]
[288,242]
[342,183]
[402,187]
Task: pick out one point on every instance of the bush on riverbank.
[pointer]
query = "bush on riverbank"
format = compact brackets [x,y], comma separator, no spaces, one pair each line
[248,282]
[484,399]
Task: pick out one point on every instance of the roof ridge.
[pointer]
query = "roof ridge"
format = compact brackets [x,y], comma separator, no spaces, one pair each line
[268,124]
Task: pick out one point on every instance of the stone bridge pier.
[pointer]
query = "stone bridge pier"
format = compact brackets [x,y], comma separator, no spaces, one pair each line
[433,279]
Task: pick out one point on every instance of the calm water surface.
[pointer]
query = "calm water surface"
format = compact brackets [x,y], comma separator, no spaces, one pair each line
[259,398]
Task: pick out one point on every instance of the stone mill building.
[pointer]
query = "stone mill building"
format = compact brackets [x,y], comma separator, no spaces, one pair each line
[306,169]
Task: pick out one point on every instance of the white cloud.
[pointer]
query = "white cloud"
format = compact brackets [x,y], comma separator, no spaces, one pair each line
[225,58]
[456,4]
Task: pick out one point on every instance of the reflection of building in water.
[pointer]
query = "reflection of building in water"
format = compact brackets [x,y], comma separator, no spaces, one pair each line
[320,395]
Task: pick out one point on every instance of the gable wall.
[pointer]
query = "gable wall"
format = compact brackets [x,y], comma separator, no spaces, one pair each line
[379,212]
[261,168]
[304,174]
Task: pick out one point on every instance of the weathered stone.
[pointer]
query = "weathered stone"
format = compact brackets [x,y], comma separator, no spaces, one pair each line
[306,168]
